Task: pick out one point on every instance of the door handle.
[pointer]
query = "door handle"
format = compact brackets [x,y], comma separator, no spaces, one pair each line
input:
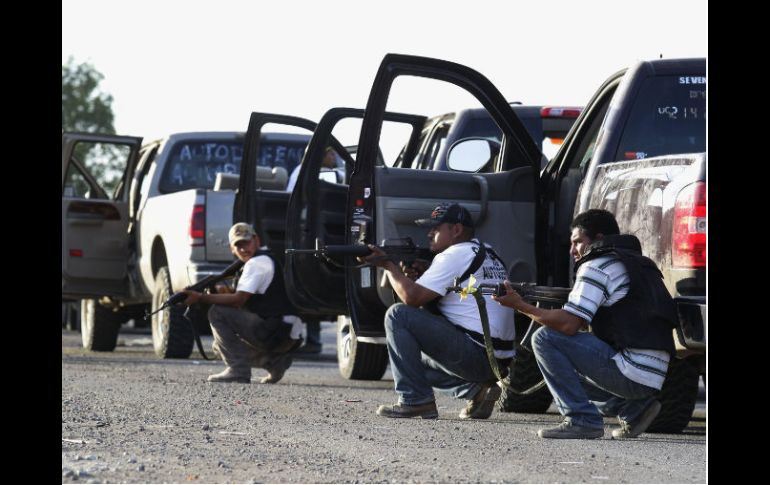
[85,218]
[484,197]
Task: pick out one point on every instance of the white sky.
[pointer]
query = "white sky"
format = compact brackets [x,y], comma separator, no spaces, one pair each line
[205,65]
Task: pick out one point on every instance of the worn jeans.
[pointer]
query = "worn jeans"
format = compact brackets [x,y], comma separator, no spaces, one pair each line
[585,382]
[244,339]
[428,351]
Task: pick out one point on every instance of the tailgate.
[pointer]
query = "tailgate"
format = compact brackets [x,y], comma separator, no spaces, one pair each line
[219,219]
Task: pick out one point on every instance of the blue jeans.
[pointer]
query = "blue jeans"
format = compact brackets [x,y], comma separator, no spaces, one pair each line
[428,351]
[585,382]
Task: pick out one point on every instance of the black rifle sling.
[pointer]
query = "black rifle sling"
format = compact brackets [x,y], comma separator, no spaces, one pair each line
[195,334]
[478,260]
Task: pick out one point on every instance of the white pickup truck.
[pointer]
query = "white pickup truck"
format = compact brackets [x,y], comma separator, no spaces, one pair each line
[127,247]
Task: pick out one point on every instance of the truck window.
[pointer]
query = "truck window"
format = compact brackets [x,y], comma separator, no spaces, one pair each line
[668,117]
[105,162]
[195,164]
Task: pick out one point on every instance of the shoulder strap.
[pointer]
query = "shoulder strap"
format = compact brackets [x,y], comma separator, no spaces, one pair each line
[478,260]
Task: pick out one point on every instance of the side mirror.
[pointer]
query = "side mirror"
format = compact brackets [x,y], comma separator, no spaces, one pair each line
[471,154]
[328,175]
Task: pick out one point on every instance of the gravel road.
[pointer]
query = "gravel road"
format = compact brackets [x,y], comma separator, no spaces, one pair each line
[129,417]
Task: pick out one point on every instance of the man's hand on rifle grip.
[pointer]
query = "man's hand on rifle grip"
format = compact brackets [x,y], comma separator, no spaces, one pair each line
[192,297]
[511,299]
[378,257]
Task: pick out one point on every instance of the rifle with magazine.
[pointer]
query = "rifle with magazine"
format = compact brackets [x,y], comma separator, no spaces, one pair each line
[397,250]
[206,282]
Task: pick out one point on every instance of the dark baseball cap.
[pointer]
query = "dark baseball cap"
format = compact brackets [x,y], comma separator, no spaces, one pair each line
[451,213]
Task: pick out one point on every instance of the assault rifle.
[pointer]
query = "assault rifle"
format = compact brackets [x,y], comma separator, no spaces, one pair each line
[528,291]
[397,249]
[210,280]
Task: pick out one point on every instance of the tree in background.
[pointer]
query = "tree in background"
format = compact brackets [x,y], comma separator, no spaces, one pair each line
[85,108]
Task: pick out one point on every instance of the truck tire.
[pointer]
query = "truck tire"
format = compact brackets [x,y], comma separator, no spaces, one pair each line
[677,398]
[71,315]
[523,374]
[99,326]
[172,336]
[358,360]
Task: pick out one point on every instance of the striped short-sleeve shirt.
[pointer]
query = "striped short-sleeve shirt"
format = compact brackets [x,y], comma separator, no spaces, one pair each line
[603,282]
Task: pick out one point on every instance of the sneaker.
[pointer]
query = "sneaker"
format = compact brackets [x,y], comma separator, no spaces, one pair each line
[231,375]
[482,404]
[424,411]
[638,426]
[277,369]
[567,430]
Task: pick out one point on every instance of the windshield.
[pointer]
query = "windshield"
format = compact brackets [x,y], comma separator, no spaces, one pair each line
[194,164]
[668,118]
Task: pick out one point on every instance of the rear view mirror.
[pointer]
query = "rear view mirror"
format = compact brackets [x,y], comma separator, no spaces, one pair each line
[471,154]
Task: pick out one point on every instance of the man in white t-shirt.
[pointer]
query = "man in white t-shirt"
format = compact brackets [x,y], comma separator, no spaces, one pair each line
[618,367]
[329,162]
[446,350]
[254,326]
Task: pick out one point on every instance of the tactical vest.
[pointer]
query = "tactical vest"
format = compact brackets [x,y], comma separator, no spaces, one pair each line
[273,302]
[645,317]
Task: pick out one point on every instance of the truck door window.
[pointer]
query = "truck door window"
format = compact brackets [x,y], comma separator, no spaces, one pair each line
[105,164]
[436,142]
[668,117]
[585,151]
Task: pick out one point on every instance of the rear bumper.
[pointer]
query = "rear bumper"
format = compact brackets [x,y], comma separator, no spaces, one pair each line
[691,332]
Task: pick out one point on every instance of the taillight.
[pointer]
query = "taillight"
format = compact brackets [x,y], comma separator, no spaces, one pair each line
[688,248]
[554,112]
[198,225]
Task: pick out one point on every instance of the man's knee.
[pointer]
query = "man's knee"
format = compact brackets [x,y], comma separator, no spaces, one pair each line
[542,337]
[397,315]
[218,313]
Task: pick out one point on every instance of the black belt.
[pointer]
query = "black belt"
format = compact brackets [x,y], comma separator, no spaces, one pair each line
[497,344]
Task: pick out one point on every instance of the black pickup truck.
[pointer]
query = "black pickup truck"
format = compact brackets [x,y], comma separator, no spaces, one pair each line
[637,149]
[547,125]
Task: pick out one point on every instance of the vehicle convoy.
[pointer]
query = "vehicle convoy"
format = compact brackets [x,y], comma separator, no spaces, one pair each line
[637,150]
[127,248]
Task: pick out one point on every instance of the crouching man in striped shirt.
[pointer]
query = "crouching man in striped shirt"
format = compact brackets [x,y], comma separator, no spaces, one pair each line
[616,366]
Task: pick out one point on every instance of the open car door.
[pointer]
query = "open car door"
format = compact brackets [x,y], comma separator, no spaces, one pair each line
[383,202]
[96,174]
[317,214]
[265,209]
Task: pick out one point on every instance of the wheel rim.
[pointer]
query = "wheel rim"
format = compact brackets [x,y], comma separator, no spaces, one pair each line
[346,343]
[86,322]
[159,320]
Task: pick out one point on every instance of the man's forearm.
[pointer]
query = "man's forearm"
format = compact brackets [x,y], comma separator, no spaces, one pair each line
[227,299]
[400,283]
[557,319]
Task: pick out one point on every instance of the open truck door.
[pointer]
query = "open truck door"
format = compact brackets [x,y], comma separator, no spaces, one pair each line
[264,208]
[315,218]
[96,174]
[383,202]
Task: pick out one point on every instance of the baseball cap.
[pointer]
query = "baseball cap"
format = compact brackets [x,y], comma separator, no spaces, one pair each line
[452,213]
[241,232]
